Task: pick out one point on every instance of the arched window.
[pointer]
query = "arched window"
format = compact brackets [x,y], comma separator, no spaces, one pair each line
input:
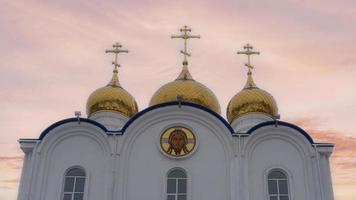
[177,185]
[278,185]
[74,182]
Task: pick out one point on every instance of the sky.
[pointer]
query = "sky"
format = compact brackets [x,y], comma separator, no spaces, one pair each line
[52,56]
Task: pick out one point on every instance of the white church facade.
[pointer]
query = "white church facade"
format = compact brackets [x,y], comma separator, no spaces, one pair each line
[178,148]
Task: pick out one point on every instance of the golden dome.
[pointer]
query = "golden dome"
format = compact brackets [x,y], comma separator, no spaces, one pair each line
[112,98]
[251,100]
[187,88]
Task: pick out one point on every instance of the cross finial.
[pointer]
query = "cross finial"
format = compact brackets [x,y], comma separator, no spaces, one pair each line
[185,36]
[116,50]
[248,51]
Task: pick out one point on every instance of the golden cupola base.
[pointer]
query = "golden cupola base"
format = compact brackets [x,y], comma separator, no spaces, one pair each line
[188,89]
[251,100]
[112,97]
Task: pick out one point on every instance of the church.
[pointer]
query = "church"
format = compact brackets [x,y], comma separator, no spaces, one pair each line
[181,147]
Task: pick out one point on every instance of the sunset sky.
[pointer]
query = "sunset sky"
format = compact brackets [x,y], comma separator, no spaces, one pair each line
[52,56]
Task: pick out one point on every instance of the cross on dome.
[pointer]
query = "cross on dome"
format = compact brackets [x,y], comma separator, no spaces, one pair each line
[185,36]
[112,97]
[248,51]
[116,50]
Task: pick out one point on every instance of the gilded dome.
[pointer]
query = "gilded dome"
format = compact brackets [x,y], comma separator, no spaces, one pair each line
[251,100]
[112,98]
[187,88]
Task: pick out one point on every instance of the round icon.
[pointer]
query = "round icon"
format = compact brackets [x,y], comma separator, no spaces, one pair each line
[178,141]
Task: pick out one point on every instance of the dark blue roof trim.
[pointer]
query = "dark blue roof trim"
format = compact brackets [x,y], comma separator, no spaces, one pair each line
[324,144]
[82,120]
[281,123]
[176,103]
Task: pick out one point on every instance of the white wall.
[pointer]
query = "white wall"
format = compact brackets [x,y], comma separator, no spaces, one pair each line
[67,146]
[132,166]
[145,166]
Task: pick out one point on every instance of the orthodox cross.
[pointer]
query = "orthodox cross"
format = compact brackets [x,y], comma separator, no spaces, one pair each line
[116,50]
[185,36]
[248,51]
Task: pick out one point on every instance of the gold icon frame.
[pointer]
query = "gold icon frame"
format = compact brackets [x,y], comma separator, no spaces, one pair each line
[178,141]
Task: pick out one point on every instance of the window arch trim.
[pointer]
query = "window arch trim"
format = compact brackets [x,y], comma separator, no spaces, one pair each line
[74,185]
[288,178]
[176,188]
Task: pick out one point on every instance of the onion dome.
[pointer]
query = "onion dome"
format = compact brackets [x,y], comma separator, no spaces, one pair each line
[251,99]
[188,89]
[185,88]
[113,97]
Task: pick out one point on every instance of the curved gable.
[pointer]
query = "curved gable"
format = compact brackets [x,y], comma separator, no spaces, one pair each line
[282,123]
[176,103]
[135,117]
[69,120]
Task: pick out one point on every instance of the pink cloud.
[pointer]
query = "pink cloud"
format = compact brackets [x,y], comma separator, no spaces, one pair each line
[343,159]
[14,162]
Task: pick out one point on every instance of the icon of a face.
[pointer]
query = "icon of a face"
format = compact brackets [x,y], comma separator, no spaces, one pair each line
[178,141]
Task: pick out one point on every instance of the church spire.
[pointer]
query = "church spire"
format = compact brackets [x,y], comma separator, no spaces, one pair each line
[248,52]
[185,75]
[116,50]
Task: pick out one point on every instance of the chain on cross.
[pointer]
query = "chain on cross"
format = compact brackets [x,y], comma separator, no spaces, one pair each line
[185,36]
[116,50]
[248,51]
